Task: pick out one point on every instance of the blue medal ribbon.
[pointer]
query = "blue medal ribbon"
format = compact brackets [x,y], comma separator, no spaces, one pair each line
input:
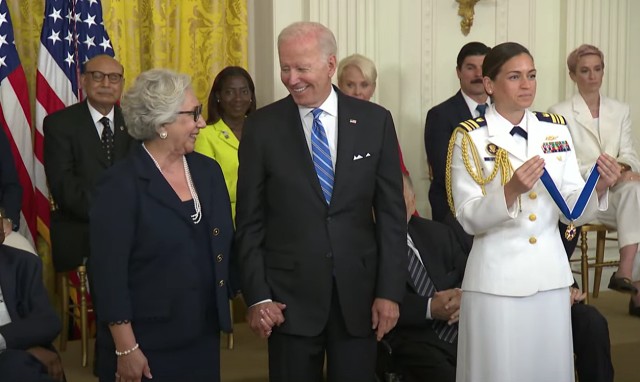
[578,209]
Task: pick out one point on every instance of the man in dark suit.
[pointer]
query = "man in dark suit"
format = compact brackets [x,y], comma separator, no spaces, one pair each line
[445,117]
[418,351]
[80,142]
[318,270]
[28,323]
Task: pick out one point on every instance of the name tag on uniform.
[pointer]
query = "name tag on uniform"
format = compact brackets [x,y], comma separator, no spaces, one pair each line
[555,147]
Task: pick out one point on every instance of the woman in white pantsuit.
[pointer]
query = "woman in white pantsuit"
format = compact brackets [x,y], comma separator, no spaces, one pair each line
[515,322]
[602,125]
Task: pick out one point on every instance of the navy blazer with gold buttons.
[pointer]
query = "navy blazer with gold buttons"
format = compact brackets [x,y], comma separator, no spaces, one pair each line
[141,263]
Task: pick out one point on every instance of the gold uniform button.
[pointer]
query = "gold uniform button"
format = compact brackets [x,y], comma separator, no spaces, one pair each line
[532,195]
[221,283]
[216,231]
[219,258]
[533,240]
[533,217]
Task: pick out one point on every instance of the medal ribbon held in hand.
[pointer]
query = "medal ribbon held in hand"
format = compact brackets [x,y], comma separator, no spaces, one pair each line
[578,209]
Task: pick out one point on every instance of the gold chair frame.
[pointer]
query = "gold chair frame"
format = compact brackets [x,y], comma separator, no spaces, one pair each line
[69,310]
[598,262]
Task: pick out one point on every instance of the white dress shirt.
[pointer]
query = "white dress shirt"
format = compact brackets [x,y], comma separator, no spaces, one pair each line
[96,116]
[329,119]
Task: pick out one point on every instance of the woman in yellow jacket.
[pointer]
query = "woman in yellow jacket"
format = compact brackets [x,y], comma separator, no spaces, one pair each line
[231,99]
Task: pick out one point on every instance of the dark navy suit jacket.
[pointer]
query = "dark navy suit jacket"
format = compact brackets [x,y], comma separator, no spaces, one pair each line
[441,121]
[142,252]
[34,322]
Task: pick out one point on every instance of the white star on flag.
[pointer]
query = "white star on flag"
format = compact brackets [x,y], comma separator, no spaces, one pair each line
[89,42]
[54,37]
[55,15]
[90,20]
[105,44]
[70,59]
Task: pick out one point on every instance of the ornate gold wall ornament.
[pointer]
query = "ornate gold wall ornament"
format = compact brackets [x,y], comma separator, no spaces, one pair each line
[465,10]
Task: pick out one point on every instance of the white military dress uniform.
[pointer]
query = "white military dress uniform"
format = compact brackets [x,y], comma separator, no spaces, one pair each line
[515,322]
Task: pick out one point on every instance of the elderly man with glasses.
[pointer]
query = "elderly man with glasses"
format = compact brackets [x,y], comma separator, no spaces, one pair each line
[80,142]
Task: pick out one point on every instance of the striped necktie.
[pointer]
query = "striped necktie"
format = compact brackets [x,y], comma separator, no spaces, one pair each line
[321,155]
[424,287]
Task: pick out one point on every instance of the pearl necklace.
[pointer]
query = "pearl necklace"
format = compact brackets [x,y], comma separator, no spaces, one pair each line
[196,201]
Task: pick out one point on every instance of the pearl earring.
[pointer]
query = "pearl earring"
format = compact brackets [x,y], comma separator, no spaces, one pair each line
[163,135]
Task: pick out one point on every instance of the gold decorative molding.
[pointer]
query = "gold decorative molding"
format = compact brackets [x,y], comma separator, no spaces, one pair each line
[465,10]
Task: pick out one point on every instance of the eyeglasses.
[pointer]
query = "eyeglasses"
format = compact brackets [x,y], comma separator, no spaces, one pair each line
[196,113]
[97,76]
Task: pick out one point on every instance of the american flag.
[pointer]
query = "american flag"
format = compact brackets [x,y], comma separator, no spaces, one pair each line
[72,33]
[15,116]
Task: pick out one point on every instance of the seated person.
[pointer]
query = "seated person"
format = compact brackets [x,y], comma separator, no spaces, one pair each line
[10,197]
[424,340]
[28,323]
[600,124]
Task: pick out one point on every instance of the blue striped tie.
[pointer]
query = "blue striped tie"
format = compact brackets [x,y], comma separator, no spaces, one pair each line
[425,288]
[321,155]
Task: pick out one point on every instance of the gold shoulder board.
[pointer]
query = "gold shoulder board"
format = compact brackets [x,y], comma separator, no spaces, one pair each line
[471,124]
[551,118]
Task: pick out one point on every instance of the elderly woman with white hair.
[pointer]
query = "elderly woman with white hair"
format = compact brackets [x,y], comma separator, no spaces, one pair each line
[161,234]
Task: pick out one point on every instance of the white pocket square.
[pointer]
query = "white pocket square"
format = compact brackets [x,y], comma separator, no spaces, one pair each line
[356,157]
[368,155]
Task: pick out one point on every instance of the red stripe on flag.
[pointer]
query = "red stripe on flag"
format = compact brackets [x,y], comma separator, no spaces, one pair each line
[38,146]
[19,83]
[46,96]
